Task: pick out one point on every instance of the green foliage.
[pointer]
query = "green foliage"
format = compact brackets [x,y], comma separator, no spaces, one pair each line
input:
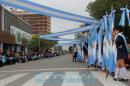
[37,43]
[99,8]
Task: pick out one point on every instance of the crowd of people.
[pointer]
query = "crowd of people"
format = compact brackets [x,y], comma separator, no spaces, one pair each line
[120,47]
[11,57]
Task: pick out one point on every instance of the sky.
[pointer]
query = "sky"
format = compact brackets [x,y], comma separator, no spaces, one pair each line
[73,6]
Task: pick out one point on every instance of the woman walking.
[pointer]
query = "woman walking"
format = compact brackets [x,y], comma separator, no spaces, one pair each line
[122,54]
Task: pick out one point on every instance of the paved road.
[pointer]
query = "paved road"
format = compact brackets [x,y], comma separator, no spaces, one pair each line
[56,71]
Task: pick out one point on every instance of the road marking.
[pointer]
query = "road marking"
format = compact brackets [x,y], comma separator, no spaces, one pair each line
[72,79]
[39,79]
[12,78]
[51,69]
[107,82]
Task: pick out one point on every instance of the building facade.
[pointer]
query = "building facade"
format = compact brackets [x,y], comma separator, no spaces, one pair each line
[39,23]
[14,32]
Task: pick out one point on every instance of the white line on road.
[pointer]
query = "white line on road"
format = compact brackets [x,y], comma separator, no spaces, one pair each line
[10,79]
[50,69]
[107,82]
[39,79]
[72,79]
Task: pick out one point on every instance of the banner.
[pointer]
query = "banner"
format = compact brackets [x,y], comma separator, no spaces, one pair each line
[48,11]
[68,44]
[60,39]
[72,31]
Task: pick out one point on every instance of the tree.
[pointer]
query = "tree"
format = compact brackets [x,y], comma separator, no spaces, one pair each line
[99,8]
[36,43]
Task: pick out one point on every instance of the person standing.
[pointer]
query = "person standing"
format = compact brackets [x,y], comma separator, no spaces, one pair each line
[122,54]
[74,53]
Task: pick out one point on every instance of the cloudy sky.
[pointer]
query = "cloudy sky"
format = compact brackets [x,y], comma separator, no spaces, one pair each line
[73,6]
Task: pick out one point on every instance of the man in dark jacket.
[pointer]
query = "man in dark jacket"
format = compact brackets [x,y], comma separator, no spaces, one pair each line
[74,52]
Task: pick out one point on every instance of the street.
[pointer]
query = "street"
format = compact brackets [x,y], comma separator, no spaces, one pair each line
[55,71]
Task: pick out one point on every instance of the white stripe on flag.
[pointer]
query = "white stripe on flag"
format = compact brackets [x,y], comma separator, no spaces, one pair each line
[72,79]
[39,79]
[107,82]
[10,79]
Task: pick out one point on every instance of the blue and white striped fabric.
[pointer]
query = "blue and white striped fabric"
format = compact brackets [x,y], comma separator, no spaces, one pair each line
[94,44]
[82,45]
[72,31]
[108,59]
[99,51]
[68,43]
[111,21]
[128,15]
[106,43]
[60,39]
[122,21]
[48,11]
[91,59]
[82,40]
[112,63]
[79,53]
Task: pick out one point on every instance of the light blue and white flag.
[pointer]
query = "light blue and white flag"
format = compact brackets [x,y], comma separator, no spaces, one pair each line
[82,43]
[111,65]
[122,21]
[90,54]
[94,44]
[111,21]
[92,48]
[106,43]
[79,53]
[128,15]
[99,51]
[111,53]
